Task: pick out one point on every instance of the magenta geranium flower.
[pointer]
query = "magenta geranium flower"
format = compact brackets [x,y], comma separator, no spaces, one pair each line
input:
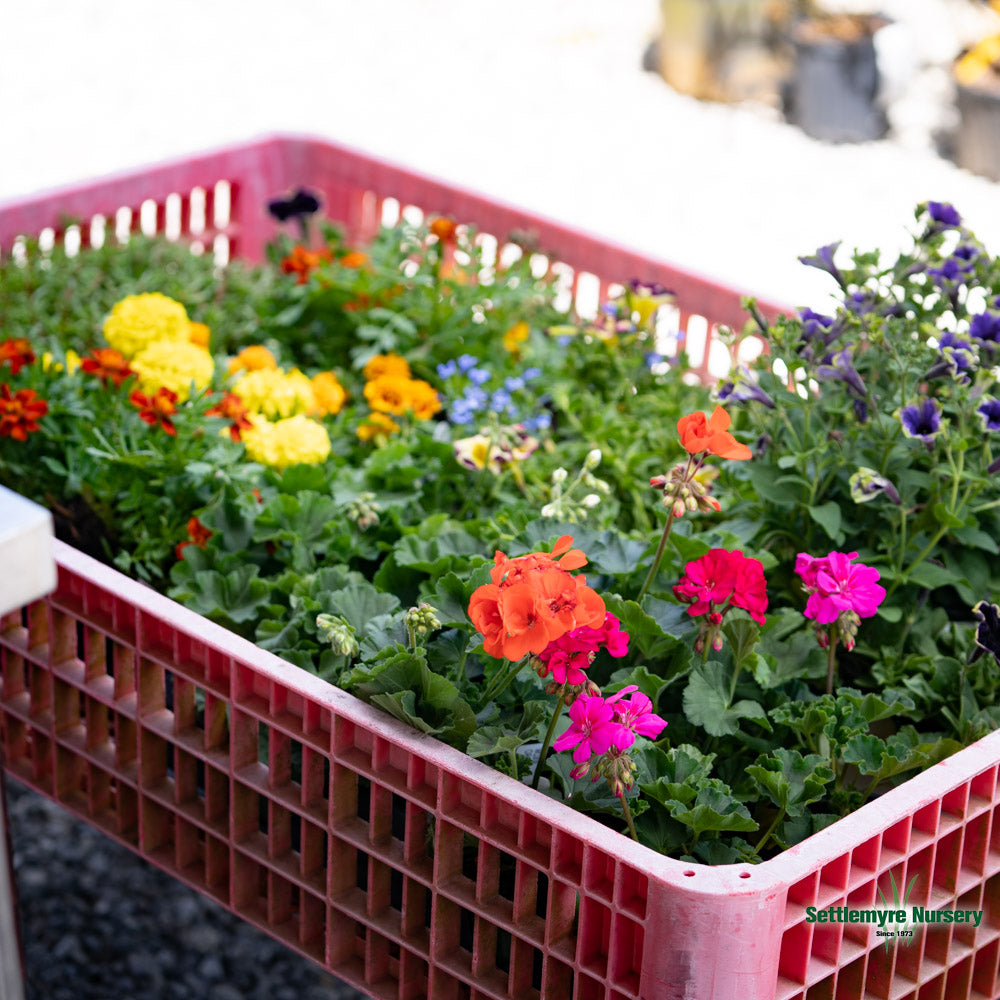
[835,584]
[567,657]
[635,716]
[592,729]
[721,579]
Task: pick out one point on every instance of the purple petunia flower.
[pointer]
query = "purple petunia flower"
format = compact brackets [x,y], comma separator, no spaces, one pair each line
[823,259]
[814,324]
[989,411]
[744,389]
[861,302]
[943,213]
[922,420]
[952,271]
[956,358]
[985,327]
[840,366]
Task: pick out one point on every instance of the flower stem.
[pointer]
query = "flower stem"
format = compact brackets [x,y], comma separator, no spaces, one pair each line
[770,830]
[536,777]
[658,558]
[628,817]
[499,681]
[831,662]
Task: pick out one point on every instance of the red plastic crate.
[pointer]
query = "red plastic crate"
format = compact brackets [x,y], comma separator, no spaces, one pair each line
[403,866]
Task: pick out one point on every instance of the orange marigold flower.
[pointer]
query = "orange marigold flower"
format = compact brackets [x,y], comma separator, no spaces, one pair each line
[378,425]
[424,399]
[302,261]
[231,408]
[354,258]
[254,358]
[534,600]
[157,409]
[198,535]
[444,229]
[389,394]
[699,434]
[108,365]
[20,412]
[516,336]
[330,394]
[386,364]
[17,352]
[200,335]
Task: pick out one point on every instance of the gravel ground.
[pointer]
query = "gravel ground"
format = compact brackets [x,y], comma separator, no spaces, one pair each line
[99,923]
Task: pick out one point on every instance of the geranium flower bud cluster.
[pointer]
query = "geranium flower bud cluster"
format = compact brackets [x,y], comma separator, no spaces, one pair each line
[563,504]
[683,491]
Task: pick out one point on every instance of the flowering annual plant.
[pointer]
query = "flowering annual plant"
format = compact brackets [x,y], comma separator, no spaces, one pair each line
[322,453]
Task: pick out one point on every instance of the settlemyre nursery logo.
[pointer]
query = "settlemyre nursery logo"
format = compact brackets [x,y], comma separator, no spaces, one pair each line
[896,921]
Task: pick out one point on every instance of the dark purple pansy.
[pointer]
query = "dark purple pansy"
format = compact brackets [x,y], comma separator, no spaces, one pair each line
[296,206]
[823,259]
[943,213]
[989,411]
[840,366]
[985,327]
[922,420]
[649,289]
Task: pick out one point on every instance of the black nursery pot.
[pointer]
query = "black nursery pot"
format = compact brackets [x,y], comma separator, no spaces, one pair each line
[977,143]
[832,92]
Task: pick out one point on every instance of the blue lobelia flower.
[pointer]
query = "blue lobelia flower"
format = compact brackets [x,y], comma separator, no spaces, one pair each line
[922,420]
[513,383]
[944,213]
[531,373]
[467,361]
[840,366]
[823,259]
[989,412]
[447,369]
[479,376]
[542,421]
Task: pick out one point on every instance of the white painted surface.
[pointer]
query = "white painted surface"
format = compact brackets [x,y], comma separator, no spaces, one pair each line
[27,566]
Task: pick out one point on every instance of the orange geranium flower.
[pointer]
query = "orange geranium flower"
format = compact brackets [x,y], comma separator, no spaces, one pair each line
[108,365]
[231,408]
[700,433]
[354,258]
[534,600]
[198,535]
[20,412]
[17,352]
[157,409]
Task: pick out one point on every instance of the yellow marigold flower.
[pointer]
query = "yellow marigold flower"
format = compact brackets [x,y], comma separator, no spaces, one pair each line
[378,427]
[424,400]
[140,320]
[173,366]
[275,393]
[516,336]
[286,442]
[200,335]
[72,362]
[386,364]
[252,359]
[330,394]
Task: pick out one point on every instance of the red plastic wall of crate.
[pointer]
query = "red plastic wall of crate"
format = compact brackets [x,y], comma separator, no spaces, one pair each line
[410,870]
[219,199]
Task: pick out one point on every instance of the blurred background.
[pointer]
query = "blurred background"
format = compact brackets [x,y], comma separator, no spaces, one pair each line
[658,123]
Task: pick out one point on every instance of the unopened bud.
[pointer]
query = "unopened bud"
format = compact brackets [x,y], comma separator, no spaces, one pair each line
[337,631]
[549,510]
[591,500]
[593,459]
[559,476]
[422,620]
[678,506]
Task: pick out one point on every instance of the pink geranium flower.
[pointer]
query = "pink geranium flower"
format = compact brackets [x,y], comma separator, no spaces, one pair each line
[592,728]
[721,579]
[836,584]
[634,716]
[567,657]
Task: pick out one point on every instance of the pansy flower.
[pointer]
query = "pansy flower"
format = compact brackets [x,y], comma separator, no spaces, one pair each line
[922,420]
